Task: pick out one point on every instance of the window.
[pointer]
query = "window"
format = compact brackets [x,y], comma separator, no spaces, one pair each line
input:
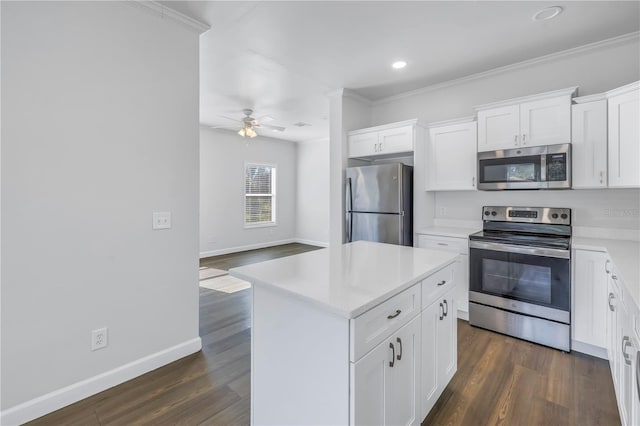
[259,195]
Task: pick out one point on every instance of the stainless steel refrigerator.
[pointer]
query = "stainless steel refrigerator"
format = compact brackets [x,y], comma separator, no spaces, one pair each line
[379,203]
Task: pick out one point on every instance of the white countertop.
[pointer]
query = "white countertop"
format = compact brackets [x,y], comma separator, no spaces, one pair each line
[349,279]
[449,231]
[625,255]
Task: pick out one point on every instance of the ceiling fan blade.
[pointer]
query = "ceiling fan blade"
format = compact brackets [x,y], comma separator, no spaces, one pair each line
[232,119]
[275,128]
[265,119]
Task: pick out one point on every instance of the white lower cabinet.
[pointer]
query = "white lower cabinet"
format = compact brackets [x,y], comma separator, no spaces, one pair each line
[439,349]
[589,301]
[385,391]
[461,272]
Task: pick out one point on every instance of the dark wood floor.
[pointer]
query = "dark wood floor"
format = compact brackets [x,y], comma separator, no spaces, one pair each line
[500,380]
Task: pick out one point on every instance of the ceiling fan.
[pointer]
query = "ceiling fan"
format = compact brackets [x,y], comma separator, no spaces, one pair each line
[248,124]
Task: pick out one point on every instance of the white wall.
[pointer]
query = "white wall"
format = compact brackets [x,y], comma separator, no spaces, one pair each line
[312,201]
[99,129]
[593,70]
[223,155]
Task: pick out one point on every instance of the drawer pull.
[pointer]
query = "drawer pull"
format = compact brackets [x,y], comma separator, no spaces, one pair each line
[626,342]
[446,305]
[606,264]
[399,357]
[441,283]
[398,311]
[441,310]
[615,277]
[393,355]
[612,297]
[443,244]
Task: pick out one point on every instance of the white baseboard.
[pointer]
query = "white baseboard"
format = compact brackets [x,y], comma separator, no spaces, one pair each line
[260,245]
[463,315]
[588,349]
[60,398]
[312,242]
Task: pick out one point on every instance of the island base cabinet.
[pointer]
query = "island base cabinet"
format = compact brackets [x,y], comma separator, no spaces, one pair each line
[385,391]
[439,349]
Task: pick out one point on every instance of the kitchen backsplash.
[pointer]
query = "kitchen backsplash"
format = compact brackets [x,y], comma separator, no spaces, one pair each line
[598,208]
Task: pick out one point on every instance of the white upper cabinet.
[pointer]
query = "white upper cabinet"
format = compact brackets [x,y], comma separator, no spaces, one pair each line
[394,138]
[498,128]
[543,119]
[624,136]
[451,156]
[589,142]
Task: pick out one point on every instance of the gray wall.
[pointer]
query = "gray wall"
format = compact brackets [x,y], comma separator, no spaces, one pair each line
[99,130]
[223,155]
[593,70]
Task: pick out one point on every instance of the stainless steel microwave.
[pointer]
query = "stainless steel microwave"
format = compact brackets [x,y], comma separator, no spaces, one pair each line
[538,167]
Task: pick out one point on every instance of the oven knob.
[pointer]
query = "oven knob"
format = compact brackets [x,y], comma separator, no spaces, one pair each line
[564,215]
[487,213]
[555,215]
[493,213]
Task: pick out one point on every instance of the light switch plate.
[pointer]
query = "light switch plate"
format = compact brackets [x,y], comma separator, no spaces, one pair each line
[162,220]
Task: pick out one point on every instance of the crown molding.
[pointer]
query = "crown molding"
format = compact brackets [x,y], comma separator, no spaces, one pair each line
[569,92]
[590,98]
[625,38]
[165,12]
[462,120]
[350,93]
[624,89]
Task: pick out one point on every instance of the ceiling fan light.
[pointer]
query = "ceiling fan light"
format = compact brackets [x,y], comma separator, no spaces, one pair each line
[251,133]
[242,132]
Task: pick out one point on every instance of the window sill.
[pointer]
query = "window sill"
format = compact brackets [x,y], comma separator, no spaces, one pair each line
[260,225]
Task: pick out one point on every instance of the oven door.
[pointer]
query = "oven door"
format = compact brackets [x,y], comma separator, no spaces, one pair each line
[528,280]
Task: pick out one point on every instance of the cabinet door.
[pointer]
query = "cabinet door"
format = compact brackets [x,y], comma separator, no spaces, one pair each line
[447,342]
[401,392]
[431,317]
[545,122]
[395,140]
[369,376]
[590,298]
[462,285]
[589,144]
[498,128]
[613,332]
[451,157]
[363,144]
[627,372]
[624,140]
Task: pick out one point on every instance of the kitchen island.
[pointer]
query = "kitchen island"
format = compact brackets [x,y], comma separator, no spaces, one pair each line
[352,334]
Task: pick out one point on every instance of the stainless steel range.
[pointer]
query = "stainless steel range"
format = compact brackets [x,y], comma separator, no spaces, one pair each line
[520,274]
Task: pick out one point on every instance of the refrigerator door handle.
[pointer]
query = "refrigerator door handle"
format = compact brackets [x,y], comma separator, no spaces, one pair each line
[349,212]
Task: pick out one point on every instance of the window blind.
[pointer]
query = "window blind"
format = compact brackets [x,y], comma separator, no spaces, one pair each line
[259,185]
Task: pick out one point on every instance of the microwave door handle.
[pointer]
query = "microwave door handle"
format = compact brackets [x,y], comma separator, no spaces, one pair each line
[543,168]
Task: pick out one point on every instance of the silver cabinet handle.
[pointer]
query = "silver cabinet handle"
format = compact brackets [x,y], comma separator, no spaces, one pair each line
[615,277]
[399,357]
[380,147]
[393,355]
[612,297]
[446,305]
[524,138]
[473,182]
[601,177]
[607,270]
[443,244]
[626,342]
[441,283]
[398,311]
[515,140]
[441,310]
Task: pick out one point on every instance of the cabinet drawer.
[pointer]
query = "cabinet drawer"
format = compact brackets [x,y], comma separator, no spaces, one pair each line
[437,284]
[375,325]
[457,245]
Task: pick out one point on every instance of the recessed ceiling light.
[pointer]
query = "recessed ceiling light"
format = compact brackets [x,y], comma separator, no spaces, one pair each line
[399,64]
[547,13]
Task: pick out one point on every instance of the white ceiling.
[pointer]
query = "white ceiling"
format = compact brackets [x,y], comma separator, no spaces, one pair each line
[283,58]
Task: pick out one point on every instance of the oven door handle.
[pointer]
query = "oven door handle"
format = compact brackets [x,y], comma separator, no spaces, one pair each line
[533,251]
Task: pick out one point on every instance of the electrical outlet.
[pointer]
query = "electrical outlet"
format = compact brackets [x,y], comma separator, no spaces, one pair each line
[99,338]
[162,220]
[443,211]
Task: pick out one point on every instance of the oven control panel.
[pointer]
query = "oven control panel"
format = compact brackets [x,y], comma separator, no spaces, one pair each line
[551,215]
